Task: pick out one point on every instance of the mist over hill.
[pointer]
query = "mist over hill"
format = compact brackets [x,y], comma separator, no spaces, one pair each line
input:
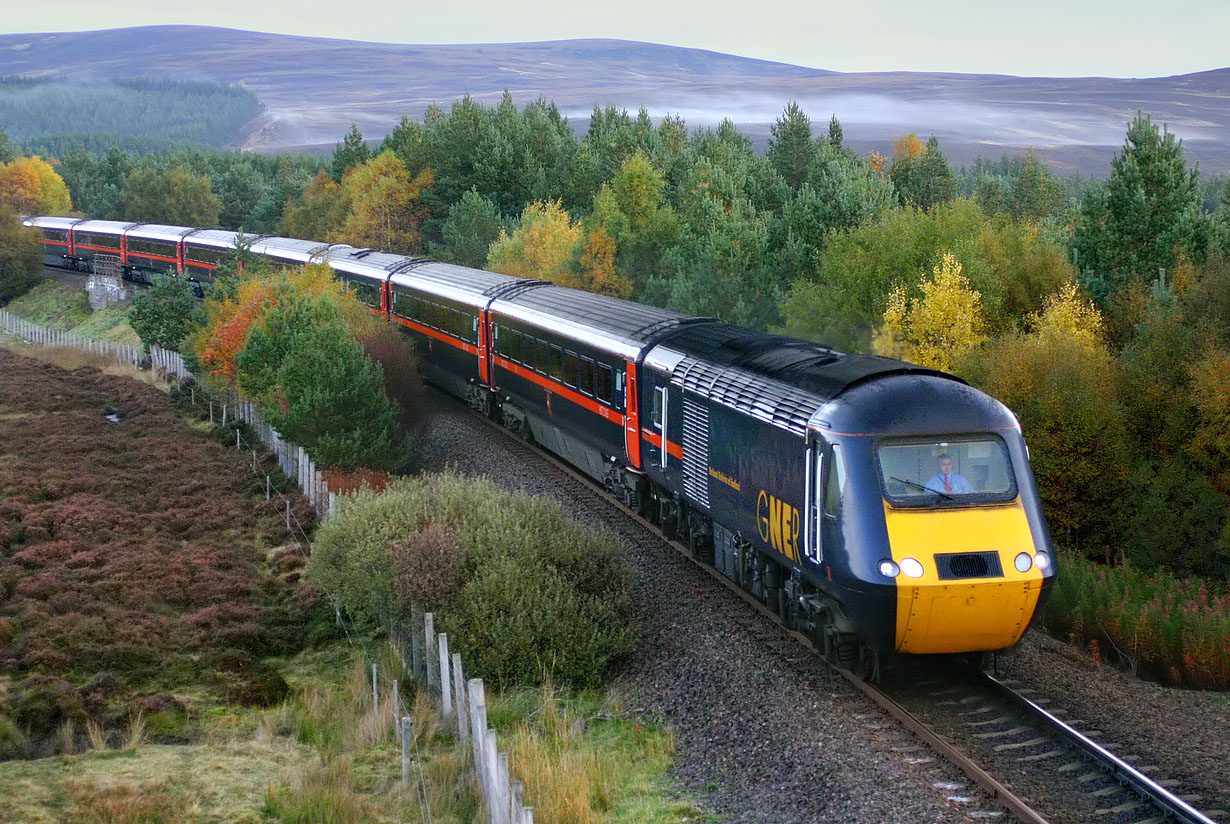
[313,88]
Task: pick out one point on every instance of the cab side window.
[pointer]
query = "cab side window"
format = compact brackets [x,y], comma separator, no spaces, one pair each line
[835,483]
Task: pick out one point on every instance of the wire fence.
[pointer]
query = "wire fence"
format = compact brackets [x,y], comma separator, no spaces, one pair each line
[424,655]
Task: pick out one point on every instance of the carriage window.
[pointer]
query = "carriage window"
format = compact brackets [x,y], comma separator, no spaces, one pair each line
[102,241]
[570,368]
[605,384]
[585,380]
[542,356]
[943,473]
[557,363]
[659,401]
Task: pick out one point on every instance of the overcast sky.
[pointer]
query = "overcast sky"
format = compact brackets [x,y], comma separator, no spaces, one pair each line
[1117,38]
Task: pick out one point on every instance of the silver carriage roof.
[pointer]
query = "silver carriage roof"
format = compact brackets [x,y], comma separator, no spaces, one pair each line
[295,250]
[103,227]
[369,264]
[45,222]
[211,238]
[616,326]
[157,231]
[460,283]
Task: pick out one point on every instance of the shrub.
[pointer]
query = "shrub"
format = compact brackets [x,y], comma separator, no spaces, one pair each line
[166,314]
[12,743]
[533,584]
[519,623]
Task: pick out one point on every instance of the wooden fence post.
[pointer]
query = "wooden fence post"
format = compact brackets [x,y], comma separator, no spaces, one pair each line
[459,703]
[515,791]
[405,751]
[478,725]
[446,690]
[416,641]
[496,801]
[429,651]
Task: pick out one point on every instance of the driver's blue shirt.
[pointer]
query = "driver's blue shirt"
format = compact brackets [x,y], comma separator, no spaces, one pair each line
[959,484]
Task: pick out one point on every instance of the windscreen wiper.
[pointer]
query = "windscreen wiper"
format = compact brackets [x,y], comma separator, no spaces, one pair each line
[917,485]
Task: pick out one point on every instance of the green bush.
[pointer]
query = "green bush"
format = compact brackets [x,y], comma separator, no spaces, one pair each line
[166,314]
[519,623]
[524,590]
[13,743]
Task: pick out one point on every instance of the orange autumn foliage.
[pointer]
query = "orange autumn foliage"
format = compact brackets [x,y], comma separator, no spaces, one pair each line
[227,332]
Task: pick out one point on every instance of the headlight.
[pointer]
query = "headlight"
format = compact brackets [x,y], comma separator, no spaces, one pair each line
[1023,562]
[888,569]
[911,568]
[1043,561]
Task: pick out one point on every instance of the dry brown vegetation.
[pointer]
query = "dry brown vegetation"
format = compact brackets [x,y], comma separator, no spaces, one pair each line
[133,561]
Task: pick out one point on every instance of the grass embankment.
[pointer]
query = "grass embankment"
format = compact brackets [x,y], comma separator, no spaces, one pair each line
[325,755]
[63,304]
[1176,630]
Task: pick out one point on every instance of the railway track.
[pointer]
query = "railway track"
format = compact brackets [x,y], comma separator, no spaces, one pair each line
[1049,769]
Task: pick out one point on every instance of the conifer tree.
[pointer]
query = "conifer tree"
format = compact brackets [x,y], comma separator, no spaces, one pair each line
[350,152]
[1149,215]
[835,133]
[790,145]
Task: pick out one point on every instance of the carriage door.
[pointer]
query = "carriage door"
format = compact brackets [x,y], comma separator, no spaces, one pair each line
[826,484]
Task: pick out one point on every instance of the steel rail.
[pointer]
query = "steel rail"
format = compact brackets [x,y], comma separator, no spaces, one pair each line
[1000,793]
[1142,784]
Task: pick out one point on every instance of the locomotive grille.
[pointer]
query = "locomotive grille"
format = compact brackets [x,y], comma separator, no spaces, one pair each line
[696,451]
[955,565]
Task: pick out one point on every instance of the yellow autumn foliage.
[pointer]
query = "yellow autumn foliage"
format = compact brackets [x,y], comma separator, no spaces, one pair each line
[1067,316]
[546,245]
[938,329]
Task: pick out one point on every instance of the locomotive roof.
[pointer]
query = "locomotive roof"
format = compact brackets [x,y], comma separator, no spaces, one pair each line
[729,364]
[623,327]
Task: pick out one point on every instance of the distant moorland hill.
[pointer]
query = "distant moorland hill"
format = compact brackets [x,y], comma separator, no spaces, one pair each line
[313,88]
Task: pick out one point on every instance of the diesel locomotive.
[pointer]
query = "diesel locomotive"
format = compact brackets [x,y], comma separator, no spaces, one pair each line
[879,507]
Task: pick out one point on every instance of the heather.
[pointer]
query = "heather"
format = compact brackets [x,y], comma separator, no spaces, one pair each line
[1170,628]
[135,559]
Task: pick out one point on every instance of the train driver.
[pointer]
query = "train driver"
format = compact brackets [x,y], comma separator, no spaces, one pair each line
[945,480]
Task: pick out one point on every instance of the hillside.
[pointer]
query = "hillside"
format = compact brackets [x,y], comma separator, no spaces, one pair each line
[313,88]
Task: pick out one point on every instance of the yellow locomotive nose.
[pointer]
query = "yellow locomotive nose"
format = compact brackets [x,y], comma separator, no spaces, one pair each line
[960,587]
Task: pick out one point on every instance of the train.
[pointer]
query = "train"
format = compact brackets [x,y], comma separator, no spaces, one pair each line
[881,508]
